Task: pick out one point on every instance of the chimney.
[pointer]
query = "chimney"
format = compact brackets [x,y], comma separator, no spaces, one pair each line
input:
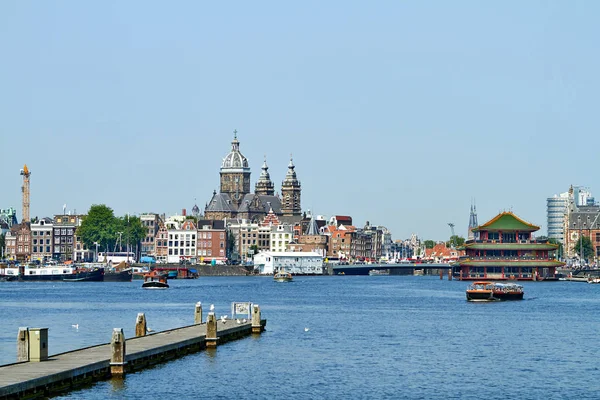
[183,212]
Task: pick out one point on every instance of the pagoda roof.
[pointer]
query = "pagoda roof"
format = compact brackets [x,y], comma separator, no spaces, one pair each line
[506,221]
[510,263]
[510,246]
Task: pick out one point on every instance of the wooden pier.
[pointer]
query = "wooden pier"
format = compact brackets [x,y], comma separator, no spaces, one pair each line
[73,369]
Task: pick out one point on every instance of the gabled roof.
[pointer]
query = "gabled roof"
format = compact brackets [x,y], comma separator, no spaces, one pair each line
[506,221]
[220,202]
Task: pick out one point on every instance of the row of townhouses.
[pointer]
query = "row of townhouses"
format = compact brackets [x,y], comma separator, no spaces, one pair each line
[178,238]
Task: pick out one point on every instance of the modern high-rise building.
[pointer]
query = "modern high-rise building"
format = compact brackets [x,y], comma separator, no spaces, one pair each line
[556,209]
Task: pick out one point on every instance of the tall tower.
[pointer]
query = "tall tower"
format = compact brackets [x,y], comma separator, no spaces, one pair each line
[235,173]
[264,185]
[472,222]
[290,192]
[25,189]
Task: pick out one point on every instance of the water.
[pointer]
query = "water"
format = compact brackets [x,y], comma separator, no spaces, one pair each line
[369,338]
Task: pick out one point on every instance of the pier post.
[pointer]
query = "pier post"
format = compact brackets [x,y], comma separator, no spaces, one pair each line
[198,313]
[211,330]
[23,344]
[117,357]
[140,325]
[256,326]
[450,274]
[441,274]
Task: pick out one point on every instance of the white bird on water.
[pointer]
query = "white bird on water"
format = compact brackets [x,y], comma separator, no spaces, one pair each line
[76,326]
[306,329]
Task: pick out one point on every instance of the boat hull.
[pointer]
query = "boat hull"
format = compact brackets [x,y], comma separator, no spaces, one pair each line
[120,276]
[154,285]
[493,296]
[96,275]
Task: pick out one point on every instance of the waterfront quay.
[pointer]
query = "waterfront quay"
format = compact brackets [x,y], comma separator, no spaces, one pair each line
[395,269]
[39,375]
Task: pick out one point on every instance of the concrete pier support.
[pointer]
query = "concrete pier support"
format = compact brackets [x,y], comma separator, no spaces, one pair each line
[450,274]
[441,274]
[140,325]
[198,313]
[256,326]
[23,344]
[211,331]
[117,357]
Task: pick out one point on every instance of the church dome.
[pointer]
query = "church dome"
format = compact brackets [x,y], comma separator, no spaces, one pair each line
[235,159]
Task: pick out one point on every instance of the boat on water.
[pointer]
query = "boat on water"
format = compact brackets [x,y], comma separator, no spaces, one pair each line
[67,273]
[593,279]
[118,273]
[494,291]
[282,276]
[155,280]
[375,272]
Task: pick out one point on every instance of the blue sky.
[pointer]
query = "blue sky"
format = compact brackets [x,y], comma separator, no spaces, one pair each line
[398,113]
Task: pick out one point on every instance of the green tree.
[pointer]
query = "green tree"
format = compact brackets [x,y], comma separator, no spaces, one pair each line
[100,226]
[588,249]
[230,245]
[133,231]
[455,241]
[429,244]
[558,253]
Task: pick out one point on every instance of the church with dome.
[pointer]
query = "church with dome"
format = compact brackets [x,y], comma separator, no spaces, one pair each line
[235,201]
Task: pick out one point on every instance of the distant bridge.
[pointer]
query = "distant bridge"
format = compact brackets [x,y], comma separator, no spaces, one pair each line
[401,269]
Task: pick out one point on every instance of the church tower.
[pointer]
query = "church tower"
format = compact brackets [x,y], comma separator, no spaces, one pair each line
[472,222]
[290,193]
[235,173]
[264,185]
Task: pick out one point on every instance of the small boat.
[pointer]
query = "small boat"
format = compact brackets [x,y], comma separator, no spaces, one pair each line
[593,279]
[492,291]
[282,276]
[375,272]
[155,280]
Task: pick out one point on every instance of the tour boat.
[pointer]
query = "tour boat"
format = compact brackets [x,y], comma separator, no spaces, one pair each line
[374,272]
[282,276]
[493,291]
[155,280]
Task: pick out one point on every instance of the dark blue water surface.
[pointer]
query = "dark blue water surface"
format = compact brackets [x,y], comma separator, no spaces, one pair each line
[369,337]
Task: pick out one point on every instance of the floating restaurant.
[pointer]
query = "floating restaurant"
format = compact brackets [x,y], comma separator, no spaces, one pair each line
[504,248]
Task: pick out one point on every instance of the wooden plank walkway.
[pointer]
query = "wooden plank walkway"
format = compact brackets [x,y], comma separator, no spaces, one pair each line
[66,371]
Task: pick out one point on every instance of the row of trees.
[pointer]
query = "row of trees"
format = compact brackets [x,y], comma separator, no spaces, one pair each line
[101,226]
[454,240]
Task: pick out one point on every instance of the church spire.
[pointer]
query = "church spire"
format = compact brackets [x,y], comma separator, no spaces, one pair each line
[264,185]
[290,192]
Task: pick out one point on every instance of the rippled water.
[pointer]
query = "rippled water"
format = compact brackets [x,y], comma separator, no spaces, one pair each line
[369,337]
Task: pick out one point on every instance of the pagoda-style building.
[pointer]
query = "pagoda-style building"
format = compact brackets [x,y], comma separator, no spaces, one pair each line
[505,249]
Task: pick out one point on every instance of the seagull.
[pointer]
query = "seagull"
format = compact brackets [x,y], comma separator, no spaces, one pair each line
[212,307]
[238,321]
[244,320]
[149,330]
[306,329]
[223,318]
[76,326]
